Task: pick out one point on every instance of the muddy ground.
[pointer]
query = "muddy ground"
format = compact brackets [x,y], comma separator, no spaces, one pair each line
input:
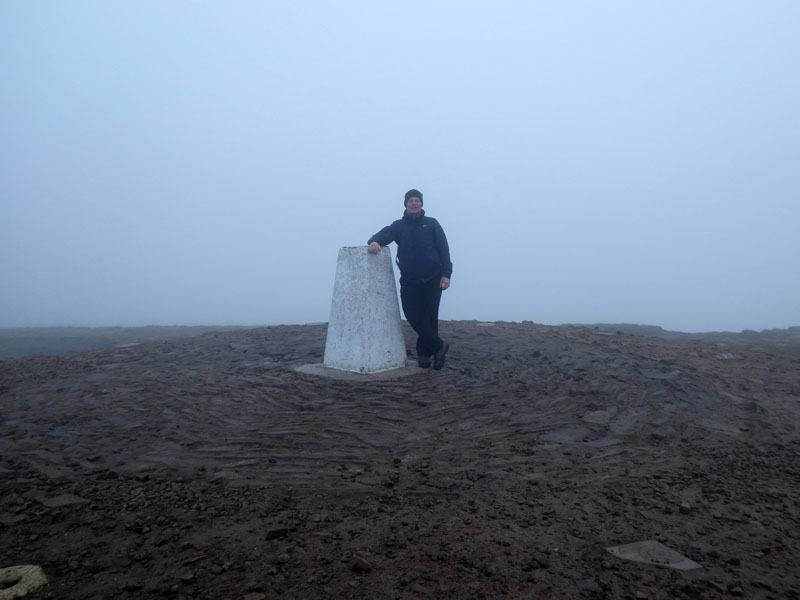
[209,468]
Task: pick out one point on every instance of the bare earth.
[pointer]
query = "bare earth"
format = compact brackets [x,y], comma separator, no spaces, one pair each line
[208,467]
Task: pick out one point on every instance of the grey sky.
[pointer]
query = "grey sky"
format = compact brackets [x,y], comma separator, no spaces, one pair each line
[202,162]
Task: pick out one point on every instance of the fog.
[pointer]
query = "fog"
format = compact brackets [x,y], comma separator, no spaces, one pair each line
[185,163]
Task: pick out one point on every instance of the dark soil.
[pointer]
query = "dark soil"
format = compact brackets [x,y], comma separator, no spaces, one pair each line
[208,468]
[17,342]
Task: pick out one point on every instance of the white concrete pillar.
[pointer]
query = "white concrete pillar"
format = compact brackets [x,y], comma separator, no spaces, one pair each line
[365,334]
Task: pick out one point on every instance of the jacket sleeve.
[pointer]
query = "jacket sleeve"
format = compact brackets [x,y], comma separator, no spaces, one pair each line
[444,250]
[385,236]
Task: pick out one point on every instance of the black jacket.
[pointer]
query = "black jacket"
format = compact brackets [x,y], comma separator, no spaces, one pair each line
[422,250]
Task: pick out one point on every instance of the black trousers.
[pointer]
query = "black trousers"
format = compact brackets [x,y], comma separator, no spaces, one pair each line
[421,306]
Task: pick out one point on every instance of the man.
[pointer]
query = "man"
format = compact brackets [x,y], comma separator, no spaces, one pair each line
[425,269]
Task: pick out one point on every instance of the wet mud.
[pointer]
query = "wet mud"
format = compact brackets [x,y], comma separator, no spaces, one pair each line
[210,468]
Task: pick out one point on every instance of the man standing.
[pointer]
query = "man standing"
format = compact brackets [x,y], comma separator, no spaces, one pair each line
[425,269]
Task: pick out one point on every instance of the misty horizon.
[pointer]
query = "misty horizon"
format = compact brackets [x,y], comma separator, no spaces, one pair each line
[185,164]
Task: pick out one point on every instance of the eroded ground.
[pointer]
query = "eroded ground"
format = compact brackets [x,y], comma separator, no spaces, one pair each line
[209,468]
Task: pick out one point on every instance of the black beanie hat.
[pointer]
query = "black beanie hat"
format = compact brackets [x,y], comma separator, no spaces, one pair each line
[413,194]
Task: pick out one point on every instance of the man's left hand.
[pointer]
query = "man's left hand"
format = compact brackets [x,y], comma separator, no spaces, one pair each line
[445,283]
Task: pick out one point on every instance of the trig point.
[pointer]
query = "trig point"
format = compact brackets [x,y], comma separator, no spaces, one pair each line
[365,334]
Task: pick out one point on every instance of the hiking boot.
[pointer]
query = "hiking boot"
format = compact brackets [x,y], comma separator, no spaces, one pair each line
[424,362]
[438,358]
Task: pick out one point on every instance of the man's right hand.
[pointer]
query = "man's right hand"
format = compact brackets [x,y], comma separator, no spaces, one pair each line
[374,248]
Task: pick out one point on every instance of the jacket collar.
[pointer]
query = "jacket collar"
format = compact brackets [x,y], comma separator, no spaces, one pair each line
[412,219]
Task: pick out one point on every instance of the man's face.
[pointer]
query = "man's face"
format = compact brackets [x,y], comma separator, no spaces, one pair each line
[414,206]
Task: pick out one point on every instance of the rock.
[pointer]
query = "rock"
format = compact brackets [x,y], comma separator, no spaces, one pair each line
[417,588]
[588,585]
[360,564]
[277,533]
[188,577]
[539,561]
[654,553]
[718,586]
[132,586]
[21,580]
